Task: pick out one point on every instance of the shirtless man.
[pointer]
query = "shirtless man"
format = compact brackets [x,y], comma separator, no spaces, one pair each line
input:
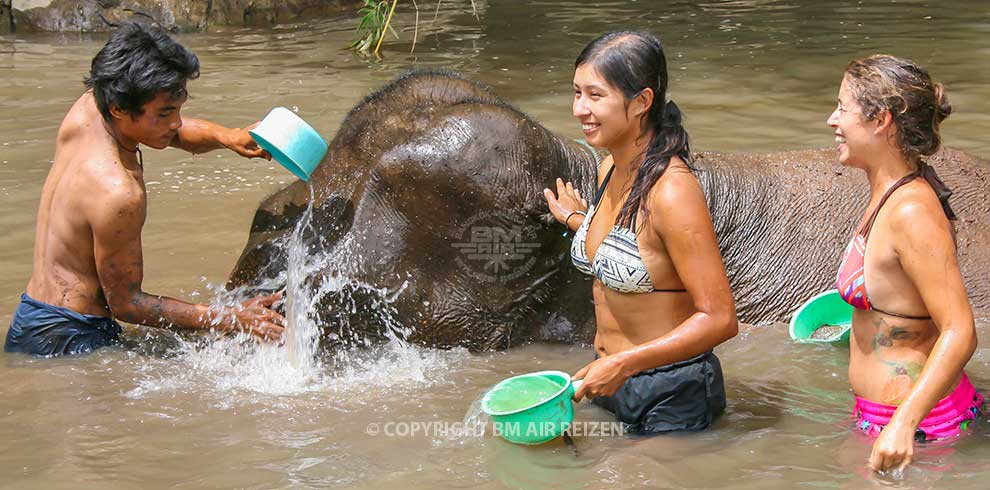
[88,264]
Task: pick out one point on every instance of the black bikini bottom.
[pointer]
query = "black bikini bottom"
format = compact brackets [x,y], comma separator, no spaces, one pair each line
[686,395]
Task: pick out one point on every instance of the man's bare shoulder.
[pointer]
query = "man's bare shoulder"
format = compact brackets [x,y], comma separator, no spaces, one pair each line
[107,177]
[82,117]
[115,205]
[94,165]
[110,190]
[99,171]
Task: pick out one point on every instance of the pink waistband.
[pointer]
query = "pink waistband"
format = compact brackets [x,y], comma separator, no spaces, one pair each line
[946,412]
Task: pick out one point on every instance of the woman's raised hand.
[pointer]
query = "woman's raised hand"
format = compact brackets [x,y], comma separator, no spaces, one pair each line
[566,204]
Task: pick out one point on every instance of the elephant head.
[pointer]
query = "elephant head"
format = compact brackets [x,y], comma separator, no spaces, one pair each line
[428,219]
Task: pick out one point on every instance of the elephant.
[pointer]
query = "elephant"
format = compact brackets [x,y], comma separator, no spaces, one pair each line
[428,222]
[419,172]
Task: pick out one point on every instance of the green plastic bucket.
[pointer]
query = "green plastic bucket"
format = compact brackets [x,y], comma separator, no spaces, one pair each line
[531,408]
[827,308]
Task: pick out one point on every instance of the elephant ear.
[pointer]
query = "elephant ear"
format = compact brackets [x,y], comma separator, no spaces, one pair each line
[265,256]
[282,209]
[333,218]
[267,221]
[257,264]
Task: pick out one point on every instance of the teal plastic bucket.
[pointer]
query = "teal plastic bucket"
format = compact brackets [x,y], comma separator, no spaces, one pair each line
[291,141]
[825,309]
[531,408]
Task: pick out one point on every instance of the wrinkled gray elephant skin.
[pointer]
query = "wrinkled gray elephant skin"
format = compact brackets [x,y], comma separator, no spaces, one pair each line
[428,207]
[421,177]
[784,219]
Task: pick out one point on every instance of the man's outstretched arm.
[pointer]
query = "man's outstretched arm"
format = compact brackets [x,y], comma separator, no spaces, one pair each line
[120,266]
[201,136]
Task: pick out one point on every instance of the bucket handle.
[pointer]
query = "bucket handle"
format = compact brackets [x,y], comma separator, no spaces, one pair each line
[576,384]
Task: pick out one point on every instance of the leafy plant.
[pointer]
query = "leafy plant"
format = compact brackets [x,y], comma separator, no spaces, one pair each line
[375,18]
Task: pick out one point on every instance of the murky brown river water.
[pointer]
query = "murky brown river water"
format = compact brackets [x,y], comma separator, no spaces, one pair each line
[751,76]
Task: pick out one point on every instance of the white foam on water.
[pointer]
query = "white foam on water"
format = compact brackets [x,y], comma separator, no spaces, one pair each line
[233,366]
[237,363]
[396,365]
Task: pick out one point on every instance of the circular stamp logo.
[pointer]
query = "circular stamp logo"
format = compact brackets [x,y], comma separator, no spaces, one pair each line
[494,249]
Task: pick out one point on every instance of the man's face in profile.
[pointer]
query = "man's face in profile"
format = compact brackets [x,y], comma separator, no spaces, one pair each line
[158,123]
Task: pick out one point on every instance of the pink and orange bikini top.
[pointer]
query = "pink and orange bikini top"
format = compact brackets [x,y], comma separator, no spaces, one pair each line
[851,278]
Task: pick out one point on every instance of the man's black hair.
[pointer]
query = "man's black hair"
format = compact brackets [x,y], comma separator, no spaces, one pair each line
[138,63]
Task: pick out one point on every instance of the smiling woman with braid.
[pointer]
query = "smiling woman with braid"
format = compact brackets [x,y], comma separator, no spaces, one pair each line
[662,299]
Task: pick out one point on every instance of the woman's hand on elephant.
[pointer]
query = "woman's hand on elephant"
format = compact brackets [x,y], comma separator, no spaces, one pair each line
[603,377]
[566,203]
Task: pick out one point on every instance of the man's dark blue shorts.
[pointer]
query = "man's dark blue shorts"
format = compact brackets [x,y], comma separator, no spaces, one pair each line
[41,329]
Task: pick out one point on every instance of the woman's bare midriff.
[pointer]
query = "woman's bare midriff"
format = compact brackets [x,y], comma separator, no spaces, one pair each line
[887,354]
[626,319]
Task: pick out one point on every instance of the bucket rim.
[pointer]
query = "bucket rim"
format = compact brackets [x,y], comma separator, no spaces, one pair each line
[286,160]
[493,413]
[792,327]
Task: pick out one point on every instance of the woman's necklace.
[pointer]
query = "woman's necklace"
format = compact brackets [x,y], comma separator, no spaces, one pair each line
[136,149]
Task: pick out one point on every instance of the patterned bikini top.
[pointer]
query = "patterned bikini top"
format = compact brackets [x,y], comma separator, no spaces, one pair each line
[851,278]
[617,263]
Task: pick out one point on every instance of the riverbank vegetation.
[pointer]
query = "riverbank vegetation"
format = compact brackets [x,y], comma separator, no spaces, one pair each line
[375,23]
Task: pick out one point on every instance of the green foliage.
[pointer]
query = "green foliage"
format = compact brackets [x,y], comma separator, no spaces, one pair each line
[374,17]
[376,21]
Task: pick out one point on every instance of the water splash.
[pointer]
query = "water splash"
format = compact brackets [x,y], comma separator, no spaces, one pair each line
[312,276]
[301,333]
[476,421]
[236,371]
